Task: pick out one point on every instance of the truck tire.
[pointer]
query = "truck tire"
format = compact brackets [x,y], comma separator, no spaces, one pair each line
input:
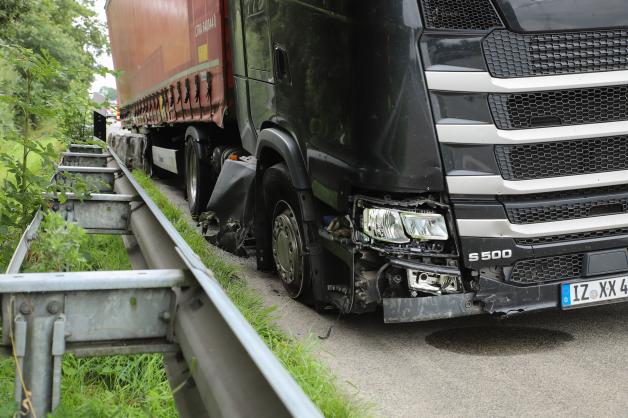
[198,178]
[286,224]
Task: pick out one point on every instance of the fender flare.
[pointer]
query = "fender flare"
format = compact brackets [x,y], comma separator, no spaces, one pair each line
[286,146]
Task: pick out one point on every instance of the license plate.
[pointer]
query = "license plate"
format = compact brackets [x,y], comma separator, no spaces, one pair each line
[594,292]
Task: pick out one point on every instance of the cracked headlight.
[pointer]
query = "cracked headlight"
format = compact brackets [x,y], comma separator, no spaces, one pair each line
[425,226]
[384,225]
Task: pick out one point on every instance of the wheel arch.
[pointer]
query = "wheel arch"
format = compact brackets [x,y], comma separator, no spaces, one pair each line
[275,145]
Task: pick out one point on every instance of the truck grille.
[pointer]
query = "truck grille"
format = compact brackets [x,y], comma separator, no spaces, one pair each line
[511,54]
[562,158]
[608,233]
[460,15]
[557,211]
[547,269]
[555,108]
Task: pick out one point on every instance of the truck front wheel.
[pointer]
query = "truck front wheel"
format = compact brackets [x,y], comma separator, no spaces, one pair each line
[285,220]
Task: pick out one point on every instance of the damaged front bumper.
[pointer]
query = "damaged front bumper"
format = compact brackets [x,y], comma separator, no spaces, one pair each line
[493,297]
[429,308]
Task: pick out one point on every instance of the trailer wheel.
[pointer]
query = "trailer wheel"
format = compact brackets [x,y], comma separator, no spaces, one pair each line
[285,221]
[198,177]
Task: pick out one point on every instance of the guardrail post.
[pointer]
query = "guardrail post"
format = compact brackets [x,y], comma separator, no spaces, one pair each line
[19,347]
[58,349]
[41,313]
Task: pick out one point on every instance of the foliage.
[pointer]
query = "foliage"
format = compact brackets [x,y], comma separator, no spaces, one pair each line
[68,33]
[26,140]
[68,30]
[8,82]
[58,246]
[22,186]
[109,93]
[10,13]
[317,381]
[75,115]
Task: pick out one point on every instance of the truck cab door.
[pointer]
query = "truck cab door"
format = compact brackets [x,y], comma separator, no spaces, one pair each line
[252,67]
[257,40]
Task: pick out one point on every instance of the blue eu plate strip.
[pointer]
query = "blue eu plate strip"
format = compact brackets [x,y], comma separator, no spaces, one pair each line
[566,294]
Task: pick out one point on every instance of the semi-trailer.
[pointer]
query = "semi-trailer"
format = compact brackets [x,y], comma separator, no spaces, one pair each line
[439,158]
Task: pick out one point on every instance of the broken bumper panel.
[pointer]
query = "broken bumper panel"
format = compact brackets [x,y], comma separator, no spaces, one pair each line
[397,310]
[503,298]
[494,297]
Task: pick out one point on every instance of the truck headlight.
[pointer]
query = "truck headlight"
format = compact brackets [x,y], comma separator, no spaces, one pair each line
[398,227]
[384,225]
[425,226]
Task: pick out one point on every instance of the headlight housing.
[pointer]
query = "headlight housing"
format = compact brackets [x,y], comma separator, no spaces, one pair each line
[425,226]
[398,227]
[384,225]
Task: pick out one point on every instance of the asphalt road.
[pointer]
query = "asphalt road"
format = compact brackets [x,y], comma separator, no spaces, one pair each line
[550,364]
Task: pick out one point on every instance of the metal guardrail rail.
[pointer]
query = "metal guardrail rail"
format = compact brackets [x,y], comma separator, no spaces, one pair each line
[170,303]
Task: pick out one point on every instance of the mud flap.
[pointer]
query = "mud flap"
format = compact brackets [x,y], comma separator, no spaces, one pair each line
[232,204]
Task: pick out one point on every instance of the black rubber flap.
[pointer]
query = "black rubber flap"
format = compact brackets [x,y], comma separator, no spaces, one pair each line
[605,262]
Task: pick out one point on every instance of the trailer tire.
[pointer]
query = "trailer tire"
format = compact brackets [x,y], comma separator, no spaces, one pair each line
[286,225]
[198,178]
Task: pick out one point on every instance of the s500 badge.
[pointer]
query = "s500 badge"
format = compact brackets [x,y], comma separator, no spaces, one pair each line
[490,255]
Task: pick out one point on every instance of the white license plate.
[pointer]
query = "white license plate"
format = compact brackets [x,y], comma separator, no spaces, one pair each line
[594,291]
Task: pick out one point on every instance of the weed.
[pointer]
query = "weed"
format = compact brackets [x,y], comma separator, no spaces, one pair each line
[59,247]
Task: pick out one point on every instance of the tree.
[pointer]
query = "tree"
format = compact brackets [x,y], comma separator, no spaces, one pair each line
[10,13]
[110,93]
[47,63]
[23,190]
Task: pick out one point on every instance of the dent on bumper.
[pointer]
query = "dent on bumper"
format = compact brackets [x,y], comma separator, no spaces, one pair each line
[500,297]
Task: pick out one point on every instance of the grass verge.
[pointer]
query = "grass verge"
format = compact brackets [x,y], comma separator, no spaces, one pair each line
[317,381]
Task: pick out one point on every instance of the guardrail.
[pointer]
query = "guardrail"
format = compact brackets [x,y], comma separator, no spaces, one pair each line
[170,303]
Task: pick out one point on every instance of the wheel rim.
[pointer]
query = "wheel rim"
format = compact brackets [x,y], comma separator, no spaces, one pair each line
[192,165]
[288,248]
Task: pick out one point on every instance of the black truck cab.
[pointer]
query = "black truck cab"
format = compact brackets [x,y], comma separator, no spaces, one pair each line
[438,158]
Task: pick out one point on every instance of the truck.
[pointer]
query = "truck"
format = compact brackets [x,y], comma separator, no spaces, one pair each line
[429,158]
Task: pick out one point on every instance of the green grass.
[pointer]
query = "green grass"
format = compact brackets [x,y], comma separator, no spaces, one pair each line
[317,381]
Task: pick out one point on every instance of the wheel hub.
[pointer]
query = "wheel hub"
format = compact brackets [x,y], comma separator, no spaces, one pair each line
[287,249]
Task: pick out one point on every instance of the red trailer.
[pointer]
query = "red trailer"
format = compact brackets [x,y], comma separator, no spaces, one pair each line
[172,59]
